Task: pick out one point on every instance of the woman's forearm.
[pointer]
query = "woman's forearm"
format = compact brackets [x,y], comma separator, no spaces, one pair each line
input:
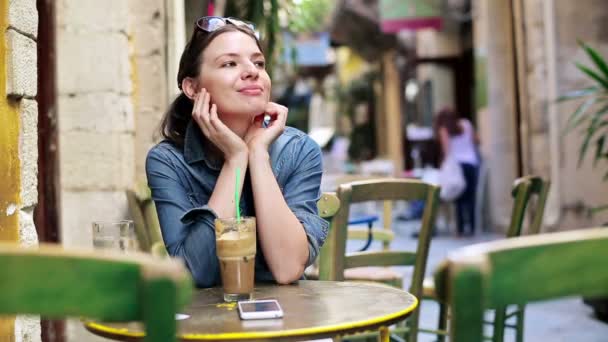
[281,235]
[222,198]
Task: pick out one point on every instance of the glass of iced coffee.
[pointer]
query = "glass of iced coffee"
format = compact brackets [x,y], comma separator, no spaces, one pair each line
[236,247]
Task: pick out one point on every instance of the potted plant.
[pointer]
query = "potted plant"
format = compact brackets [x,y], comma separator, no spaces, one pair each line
[591,118]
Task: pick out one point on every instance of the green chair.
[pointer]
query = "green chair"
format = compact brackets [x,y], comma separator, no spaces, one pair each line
[145,219]
[335,262]
[524,189]
[520,270]
[55,282]
[328,205]
[363,229]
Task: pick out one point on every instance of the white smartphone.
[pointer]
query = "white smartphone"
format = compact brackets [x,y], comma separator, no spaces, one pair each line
[260,309]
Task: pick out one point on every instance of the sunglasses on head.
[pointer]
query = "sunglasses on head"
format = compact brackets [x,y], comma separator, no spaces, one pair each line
[211,23]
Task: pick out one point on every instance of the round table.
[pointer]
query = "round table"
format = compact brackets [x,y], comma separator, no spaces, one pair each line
[312,309]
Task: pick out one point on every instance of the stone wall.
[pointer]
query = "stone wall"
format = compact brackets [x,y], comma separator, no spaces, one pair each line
[112,91]
[581,187]
[546,38]
[150,74]
[18,142]
[95,114]
[551,30]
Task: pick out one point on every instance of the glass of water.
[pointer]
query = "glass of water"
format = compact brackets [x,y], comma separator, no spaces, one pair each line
[114,235]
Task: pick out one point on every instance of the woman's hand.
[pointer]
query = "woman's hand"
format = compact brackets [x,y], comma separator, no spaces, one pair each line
[258,137]
[214,129]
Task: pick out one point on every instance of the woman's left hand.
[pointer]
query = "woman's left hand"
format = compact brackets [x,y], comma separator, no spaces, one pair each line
[259,137]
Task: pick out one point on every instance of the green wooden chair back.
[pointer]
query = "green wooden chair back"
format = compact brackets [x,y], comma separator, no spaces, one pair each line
[524,189]
[54,282]
[328,205]
[496,274]
[334,259]
[145,219]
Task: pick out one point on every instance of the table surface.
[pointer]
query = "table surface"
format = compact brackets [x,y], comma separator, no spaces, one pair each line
[312,309]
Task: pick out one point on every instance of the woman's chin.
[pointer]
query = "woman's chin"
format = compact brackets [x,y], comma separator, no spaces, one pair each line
[255,108]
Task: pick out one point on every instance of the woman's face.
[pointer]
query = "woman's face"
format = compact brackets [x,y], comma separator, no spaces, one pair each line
[233,72]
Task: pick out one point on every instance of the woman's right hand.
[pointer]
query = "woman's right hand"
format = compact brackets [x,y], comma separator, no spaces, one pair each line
[214,129]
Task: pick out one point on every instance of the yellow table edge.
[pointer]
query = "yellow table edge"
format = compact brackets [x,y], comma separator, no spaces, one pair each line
[267,334]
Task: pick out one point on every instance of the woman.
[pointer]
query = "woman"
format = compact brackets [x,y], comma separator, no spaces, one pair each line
[215,127]
[457,139]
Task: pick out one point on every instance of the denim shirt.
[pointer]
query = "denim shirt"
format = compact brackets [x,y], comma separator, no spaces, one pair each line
[182,181]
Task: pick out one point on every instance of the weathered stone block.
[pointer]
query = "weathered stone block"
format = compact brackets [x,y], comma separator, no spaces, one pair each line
[94,62]
[151,84]
[22,15]
[148,39]
[93,15]
[81,208]
[21,67]
[28,152]
[146,136]
[540,156]
[146,11]
[96,161]
[27,328]
[27,231]
[97,112]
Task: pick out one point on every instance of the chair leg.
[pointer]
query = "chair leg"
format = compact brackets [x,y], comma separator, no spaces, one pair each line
[500,315]
[442,323]
[159,301]
[412,322]
[519,324]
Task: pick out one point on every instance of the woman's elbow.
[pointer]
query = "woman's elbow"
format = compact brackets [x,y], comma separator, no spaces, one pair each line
[289,274]
[204,274]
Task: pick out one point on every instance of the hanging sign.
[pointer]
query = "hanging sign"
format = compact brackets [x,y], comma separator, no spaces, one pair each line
[397,15]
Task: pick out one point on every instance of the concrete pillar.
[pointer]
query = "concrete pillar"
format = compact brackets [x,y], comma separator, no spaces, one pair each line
[18,141]
[497,122]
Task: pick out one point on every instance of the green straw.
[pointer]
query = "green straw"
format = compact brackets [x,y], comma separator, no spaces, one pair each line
[236,195]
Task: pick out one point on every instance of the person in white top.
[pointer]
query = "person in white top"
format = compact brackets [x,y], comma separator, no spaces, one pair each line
[457,138]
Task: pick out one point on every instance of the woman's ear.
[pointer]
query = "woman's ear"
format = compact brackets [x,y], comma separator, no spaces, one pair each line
[190,87]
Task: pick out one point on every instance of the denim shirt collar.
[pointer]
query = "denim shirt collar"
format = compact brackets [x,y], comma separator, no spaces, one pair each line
[194,148]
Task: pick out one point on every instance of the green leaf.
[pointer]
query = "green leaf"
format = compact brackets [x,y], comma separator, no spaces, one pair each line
[594,126]
[601,208]
[597,59]
[603,82]
[578,116]
[575,94]
[599,147]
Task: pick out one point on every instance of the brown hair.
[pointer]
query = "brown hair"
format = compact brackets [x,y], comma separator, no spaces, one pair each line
[449,119]
[178,115]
